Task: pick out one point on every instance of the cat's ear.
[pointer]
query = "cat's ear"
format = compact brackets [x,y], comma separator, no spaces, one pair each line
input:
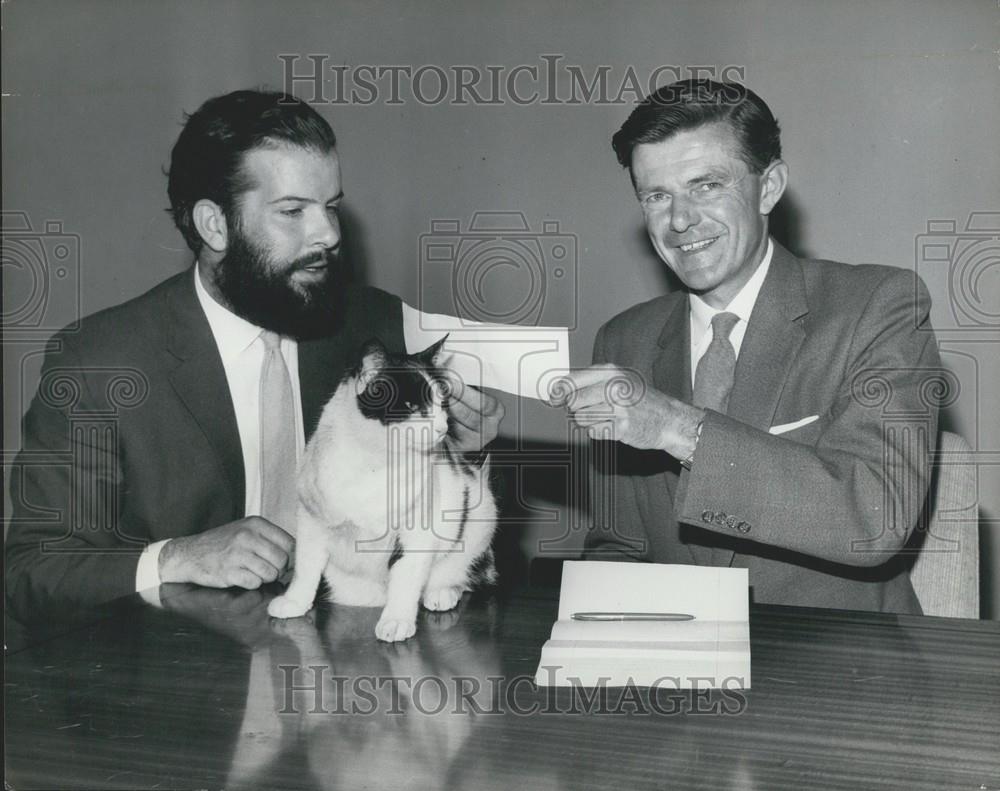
[374,358]
[431,356]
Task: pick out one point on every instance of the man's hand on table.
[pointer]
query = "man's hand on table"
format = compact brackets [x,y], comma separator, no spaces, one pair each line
[605,398]
[246,553]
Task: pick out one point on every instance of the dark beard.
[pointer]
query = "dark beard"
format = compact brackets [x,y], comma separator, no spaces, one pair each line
[264,294]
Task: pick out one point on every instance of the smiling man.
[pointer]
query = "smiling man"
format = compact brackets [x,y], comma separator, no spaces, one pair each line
[773,413]
[201,393]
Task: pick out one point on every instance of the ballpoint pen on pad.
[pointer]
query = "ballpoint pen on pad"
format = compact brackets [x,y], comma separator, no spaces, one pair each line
[632,616]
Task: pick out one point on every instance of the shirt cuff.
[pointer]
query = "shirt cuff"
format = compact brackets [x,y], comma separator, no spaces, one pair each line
[147,573]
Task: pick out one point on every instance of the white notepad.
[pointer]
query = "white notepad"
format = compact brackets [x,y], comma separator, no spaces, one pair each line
[710,651]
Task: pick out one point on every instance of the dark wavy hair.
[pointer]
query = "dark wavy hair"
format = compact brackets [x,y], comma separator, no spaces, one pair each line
[688,104]
[207,159]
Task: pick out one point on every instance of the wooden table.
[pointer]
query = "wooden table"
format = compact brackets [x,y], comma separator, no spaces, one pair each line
[202,694]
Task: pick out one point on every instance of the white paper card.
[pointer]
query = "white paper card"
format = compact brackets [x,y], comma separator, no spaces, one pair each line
[710,651]
[509,357]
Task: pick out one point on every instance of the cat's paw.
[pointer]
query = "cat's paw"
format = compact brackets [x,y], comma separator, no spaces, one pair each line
[284,607]
[442,599]
[392,631]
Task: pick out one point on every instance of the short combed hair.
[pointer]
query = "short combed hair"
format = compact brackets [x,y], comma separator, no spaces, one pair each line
[689,104]
[207,159]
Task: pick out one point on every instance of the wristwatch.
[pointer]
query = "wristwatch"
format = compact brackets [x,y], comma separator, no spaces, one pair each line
[686,463]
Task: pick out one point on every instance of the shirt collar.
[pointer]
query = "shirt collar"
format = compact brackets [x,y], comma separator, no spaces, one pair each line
[742,304]
[233,334]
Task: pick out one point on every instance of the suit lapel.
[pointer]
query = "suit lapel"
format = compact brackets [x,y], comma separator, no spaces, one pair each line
[200,382]
[771,341]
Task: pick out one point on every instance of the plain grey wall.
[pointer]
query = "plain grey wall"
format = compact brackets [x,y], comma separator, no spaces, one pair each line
[889,112]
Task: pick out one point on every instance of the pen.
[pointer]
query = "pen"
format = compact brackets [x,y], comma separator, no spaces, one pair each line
[632,616]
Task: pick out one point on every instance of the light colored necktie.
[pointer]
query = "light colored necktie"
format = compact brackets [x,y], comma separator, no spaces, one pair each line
[277,436]
[713,378]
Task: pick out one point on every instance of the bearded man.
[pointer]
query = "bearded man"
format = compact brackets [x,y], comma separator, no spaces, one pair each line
[162,443]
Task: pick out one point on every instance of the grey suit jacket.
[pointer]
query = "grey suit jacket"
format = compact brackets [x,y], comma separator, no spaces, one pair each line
[132,438]
[818,514]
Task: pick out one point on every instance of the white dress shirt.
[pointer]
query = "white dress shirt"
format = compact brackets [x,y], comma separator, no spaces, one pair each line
[742,305]
[242,352]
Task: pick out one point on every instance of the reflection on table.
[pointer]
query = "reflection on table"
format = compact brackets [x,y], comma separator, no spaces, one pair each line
[209,692]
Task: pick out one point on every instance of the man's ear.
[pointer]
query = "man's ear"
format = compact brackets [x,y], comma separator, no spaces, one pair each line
[210,222]
[772,185]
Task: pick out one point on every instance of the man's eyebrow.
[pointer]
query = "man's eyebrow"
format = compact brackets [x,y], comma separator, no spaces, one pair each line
[713,174]
[300,199]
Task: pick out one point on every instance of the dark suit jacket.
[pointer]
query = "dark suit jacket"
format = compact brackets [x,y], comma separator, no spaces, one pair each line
[816,514]
[132,438]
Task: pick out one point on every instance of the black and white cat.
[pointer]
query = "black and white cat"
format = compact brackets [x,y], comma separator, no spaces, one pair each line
[387,513]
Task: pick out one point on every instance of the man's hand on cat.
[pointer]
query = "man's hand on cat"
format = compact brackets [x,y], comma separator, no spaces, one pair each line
[476,417]
[246,554]
[615,403]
